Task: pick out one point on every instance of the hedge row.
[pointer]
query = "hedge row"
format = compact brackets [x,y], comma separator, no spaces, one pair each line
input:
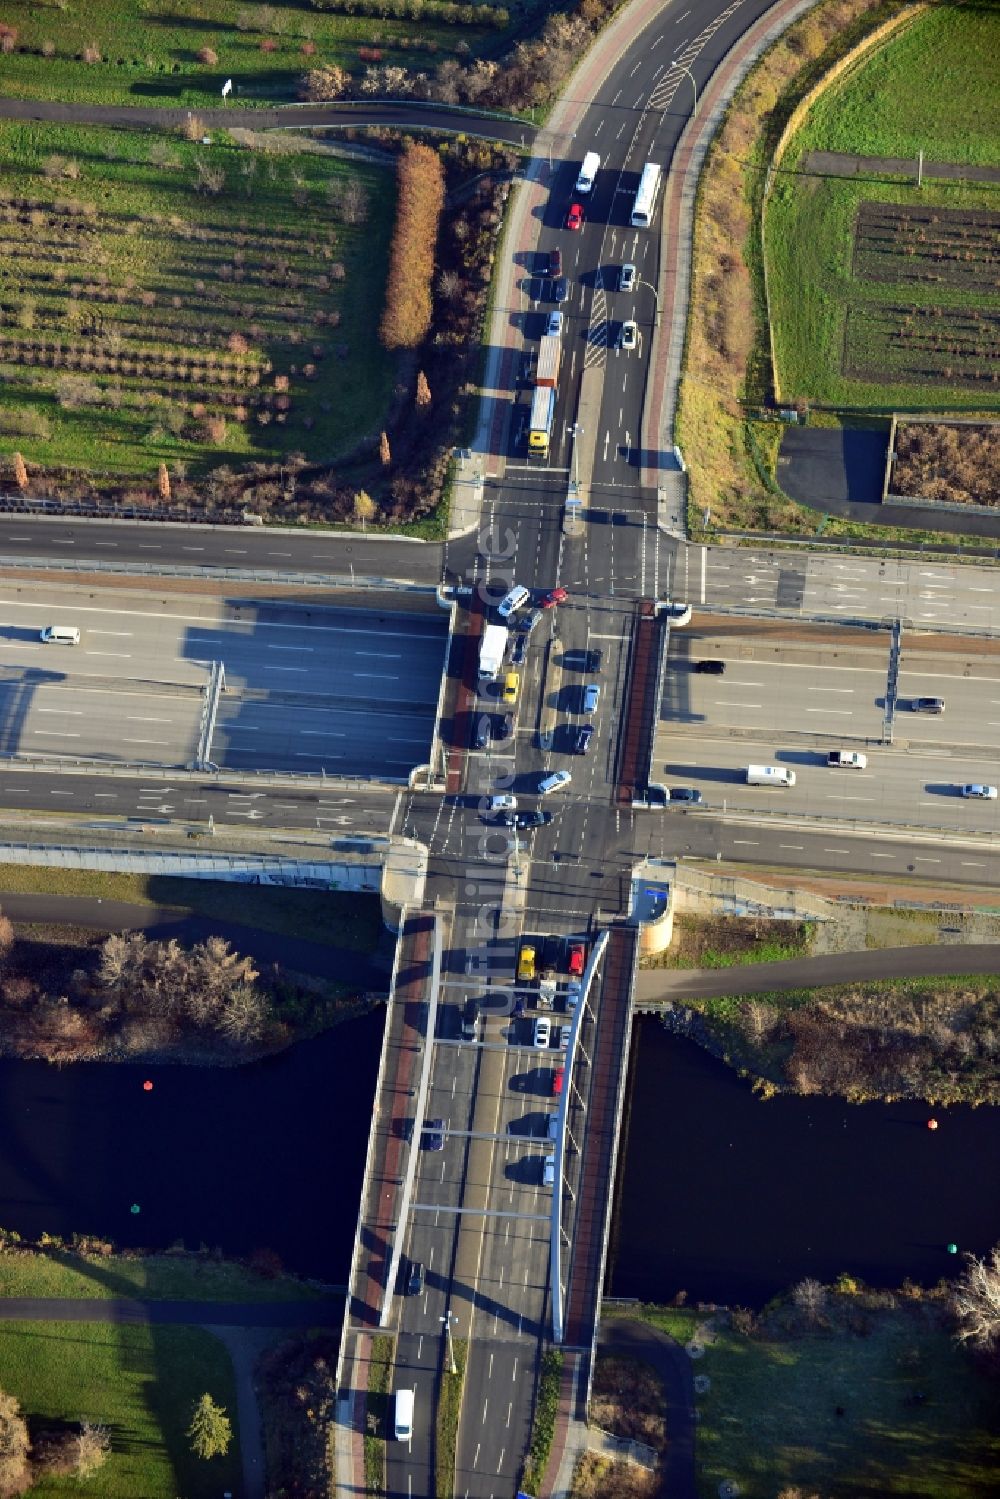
[420,181]
[446,11]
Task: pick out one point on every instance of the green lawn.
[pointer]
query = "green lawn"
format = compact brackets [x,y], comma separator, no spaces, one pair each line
[155,1277]
[138,1382]
[858,331]
[149,51]
[932,88]
[769,1418]
[338,918]
[194,305]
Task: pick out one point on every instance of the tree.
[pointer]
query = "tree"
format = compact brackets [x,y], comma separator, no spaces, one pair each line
[364,507]
[977,1302]
[810,1297]
[15,1476]
[92,1447]
[163,482]
[423,396]
[211,1431]
[20,472]
[384,451]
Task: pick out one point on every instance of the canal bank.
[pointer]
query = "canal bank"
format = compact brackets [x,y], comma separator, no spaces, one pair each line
[730,1198]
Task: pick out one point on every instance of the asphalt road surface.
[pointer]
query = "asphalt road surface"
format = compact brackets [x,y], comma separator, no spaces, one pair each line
[345,691]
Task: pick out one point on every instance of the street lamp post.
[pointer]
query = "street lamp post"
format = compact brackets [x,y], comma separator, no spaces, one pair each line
[576,432]
[656,297]
[448,1319]
[682,69]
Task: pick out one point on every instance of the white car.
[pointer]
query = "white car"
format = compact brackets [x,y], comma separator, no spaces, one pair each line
[543,1032]
[515,599]
[549,1171]
[554,329]
[626,277]
[628,338]
[980,793]
[573,991]
[553,1126]
[553,782]
[502,802]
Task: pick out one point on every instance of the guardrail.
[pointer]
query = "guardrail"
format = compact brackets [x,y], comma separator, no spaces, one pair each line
[223,574]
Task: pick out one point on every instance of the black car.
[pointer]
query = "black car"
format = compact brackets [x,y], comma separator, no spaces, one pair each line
[481,734]
[552,951]
[560,291]
[503,726]
[526,819]
[470,1017]
[686,794]
[582,742]
[711,668]
[555,262]
[415,1279]
[434,1134]
[520,650]
[528,622]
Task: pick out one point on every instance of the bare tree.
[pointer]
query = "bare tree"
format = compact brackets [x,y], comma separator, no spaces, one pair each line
[977,1302]
[209,178]
[423,395]
[20,472]
[810,1297]
[163,482]
[15,1476]
[384,451]
[244,1014]
[92,1447]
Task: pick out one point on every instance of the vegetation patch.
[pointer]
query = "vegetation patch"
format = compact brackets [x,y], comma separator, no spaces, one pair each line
[377,1414]
[449,1413]
[91,1268]
[337,918]
[628,1400]
[931,1038]
[602,1478]
[83,997]
[957,464]
[200,307]
[137,1384]
[543,1427]
[727,941]
[844,1392]
[297,1383]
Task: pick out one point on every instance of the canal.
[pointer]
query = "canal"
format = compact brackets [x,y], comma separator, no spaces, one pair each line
[732,1199]
[265,1156]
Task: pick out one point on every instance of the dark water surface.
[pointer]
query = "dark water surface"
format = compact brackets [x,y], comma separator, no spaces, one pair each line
[270,1155]
[732,1199]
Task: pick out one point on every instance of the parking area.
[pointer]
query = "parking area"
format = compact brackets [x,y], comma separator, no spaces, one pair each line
[750,696]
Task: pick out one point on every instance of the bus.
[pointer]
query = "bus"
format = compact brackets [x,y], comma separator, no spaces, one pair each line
[543,405]
[645,198]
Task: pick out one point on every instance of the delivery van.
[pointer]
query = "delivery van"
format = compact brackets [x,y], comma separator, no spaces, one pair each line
[588,171]
[404,1415]
[769,775]
[61,635]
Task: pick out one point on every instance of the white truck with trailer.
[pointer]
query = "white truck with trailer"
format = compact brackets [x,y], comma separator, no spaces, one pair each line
[770,775]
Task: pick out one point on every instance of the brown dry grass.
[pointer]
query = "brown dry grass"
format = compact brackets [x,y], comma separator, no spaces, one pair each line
[725,356]
[628,1400]
[600,1478]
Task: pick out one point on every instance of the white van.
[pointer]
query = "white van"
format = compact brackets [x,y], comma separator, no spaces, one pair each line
[512,601]
[769,775]
[588,171]
[404,1415]
[61,635]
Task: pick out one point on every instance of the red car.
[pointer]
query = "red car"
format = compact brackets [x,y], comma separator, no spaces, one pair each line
[574,219]
[577,960]
[553,597]
[557,1079]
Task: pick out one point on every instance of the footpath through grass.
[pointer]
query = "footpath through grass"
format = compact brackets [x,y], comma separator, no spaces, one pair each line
[155,1277]
[140,1383]
[335,917]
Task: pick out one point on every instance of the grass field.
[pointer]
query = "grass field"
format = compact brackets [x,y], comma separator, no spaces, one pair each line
[335,917]
[164,301]
[769,1418]
[138,1382]
[883,295]
[932,88]
[153,1277]
[149,52]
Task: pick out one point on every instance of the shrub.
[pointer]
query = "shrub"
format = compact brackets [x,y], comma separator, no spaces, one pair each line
[327,82]
[214,429]
[48,48]
[308,49]
[192,128]
[407,313]
[91,53]
[268,44]
[208,55]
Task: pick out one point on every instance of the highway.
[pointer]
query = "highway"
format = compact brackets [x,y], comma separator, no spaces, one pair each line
[343,691]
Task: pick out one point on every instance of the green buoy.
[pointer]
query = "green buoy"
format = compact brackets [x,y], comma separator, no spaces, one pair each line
[135,1208]
[952,1248]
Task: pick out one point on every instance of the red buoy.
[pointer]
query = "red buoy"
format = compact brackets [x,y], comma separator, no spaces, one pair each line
[932,1124]
[147,1087]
